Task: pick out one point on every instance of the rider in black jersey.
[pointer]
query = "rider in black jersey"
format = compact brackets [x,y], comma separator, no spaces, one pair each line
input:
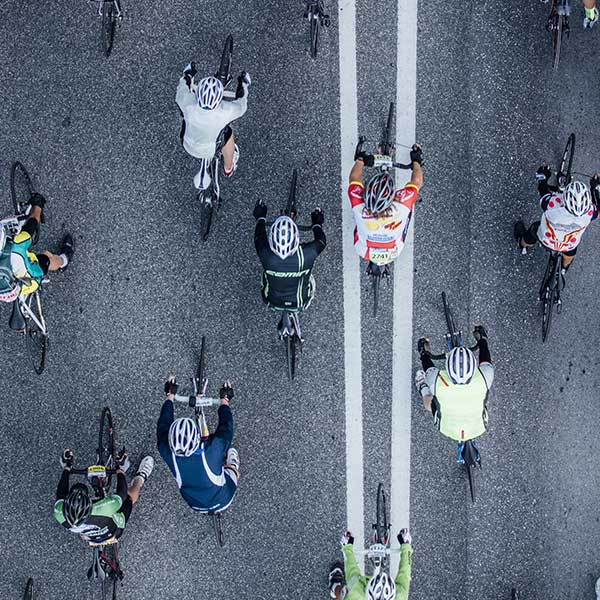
[287,283]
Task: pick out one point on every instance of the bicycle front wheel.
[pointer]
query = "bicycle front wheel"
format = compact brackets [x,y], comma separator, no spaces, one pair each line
[315,26]
[109,19]
[36,335]
[291,208]
[224,72]
[382,525]
[566,163]
[21,188]
[557,34]
[450,324]
[106,453]
[29,590]
[388,145]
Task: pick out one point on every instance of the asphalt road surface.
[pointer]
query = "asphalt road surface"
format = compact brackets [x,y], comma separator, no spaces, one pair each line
[100,137]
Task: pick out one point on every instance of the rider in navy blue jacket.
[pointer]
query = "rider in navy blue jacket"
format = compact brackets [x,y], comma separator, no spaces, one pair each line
[206,471]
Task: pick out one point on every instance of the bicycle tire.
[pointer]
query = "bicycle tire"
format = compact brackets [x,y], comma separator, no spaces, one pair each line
[382,524]
[388,145]
[376,290]
[224,72]
[36,339]
[21,188]
[291,208]
[471,477]
[565,171]
[29,590]
[547,310]
[201,372]
[450,324]
[557,33]
[315,25]
[218,523]
[206,215]
[108,26]
[290,355]
[514,594]
[106,453]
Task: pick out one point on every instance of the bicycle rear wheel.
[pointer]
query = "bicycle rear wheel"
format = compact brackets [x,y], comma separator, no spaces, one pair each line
[547,310]
[382,525]
[290,355]
[106,453]
[564,174]
[218,523]
[29,590]
[557,34]
[21,188]
[224,72]
[109,20]
[291,208]
[206,213]
[471,462]
[36,337]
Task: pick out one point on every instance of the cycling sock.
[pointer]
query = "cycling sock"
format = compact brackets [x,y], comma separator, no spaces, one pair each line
[590,13]
[65,260]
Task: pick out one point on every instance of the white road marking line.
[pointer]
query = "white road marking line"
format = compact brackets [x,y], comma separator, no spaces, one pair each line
[352,336]
[406,87]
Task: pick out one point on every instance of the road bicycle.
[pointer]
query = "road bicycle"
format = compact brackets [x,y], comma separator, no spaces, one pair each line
[288,328]
[111,15]
[27,315]
[105,565]
[379,551]
[378,267]
[468,452]
[206,180]
[558,26]
[317,18]
[29,590]
[199,401]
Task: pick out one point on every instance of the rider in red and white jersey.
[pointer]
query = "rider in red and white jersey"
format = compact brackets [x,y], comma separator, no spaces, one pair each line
[566,215]
[382,213]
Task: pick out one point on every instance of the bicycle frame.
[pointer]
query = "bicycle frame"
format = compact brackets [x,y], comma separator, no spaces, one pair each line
[29,314]
[553,280]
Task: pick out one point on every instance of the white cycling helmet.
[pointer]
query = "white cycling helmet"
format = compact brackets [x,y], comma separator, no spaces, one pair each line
[381,587]
[461,365]
[284,238]
[210,93]
[379,193]
[184,437]
[577,198]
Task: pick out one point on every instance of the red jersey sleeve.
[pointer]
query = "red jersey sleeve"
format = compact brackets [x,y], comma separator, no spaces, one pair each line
[356,193]
[408,195]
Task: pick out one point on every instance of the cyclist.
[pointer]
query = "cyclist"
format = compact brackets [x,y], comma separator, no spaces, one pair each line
[350,584]
[21,270]
[98,521]
[456,396]
[287,281]
[207,118]
[206,470]
[566,215]
[381,212]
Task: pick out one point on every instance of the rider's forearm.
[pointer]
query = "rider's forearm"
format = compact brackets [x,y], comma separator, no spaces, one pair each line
[320,237]
[351,569]
[164,421]
[484,351]
[261,240]
[63,485]
[224,429]
[357,171]
[417,175]
[404,571]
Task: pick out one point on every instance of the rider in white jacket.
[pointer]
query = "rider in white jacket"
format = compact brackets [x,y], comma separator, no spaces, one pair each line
[206,116]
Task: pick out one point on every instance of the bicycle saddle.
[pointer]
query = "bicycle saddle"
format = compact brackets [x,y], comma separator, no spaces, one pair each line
[16,322]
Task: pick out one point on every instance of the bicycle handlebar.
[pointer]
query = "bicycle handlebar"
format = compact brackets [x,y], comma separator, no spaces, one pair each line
[381,160]
[85,471]
[444,354]
[199,400]
[378,550]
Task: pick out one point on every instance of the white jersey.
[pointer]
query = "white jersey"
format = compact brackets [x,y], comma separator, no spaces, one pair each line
[560,230]
[202,127]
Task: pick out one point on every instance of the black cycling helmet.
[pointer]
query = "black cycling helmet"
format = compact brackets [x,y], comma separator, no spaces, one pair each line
[77,506]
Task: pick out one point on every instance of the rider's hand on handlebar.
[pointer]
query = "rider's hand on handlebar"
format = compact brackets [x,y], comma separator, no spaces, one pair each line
[366,158]
[404,537]
[347,538]
[226,392]
[170,386]
[66,460]
[260,210]
[416,154]
[543,173]
[317,217]
[37,200]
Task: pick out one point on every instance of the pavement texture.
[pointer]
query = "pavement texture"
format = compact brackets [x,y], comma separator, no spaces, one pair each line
[100,138]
